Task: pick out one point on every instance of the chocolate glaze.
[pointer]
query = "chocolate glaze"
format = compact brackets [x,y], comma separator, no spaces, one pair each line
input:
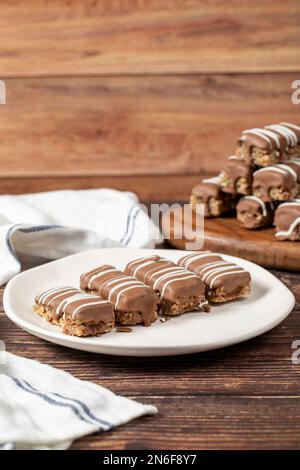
[234,169]
[295,131]
[294,163]
[81,306]
[278,176]
[215,271]
[206,189]
[262,138]
[211,188]
[287,220]
[125,292]
[288,138]
[256,212]
[279,137]
[254,205]
[170,280]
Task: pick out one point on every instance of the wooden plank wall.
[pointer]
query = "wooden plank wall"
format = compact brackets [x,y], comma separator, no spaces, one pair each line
[143,95]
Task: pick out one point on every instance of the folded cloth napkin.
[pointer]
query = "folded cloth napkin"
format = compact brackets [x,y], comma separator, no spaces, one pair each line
[59,223]
[46,408]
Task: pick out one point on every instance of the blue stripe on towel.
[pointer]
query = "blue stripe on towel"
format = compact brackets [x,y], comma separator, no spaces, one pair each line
[39,228]
[85,409]
[127,224]
[8,446]
[82,405]
[28,388]
[130,230]
[8,242]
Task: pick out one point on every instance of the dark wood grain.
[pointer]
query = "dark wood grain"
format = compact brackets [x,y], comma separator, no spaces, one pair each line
[147,96]
[226,235]
[209,423]
[113,126]
[245,396]
[60,37]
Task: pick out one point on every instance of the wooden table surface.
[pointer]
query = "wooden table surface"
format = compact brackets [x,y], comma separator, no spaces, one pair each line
[245,396]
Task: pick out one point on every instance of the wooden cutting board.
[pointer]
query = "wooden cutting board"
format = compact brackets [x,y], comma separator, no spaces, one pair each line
[225,235]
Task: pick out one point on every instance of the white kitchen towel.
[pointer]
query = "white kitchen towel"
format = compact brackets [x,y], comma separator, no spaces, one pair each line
[46,408]
[53,224]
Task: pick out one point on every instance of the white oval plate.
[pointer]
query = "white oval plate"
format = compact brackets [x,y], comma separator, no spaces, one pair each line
[269,303]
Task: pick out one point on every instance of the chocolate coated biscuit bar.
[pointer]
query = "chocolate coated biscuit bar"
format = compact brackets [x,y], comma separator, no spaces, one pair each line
[236,177]
[268,145]
[275,183]
[78,313]
[287,221]
[133,301]
[224,281]
[209,193]
[294,163]
[179,290]
[291,132]
[254,213]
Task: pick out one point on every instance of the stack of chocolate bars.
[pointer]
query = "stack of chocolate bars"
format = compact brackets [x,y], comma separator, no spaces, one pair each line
[261,182]
[148,287]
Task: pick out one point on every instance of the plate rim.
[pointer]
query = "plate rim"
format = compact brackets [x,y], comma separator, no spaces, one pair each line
[89,342]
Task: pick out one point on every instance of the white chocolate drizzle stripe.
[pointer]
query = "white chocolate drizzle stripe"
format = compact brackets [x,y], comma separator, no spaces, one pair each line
[290,125]
[44,295]
[147,263]
[294,160]
[264,134]
[196,257]
[230,273]
[289,169]
[63,293]
[288,134]
[288,233]
[216,270]
[206,266]
[122,286]
[234,157]
[140,260]
[160,271]
[174,280]
[156,270]
[61,308]
[290,203]
[99,274]
[125,290]
[170,268]
[277,169]
[186,258]
[259,133]
[167,276]
[109,281]
[119,279]
[87,304]
[273,136]
[74,298]
[213,180]
[260,202]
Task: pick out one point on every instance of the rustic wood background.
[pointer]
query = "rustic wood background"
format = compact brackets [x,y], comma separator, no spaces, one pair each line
[136,94]
[146,95]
